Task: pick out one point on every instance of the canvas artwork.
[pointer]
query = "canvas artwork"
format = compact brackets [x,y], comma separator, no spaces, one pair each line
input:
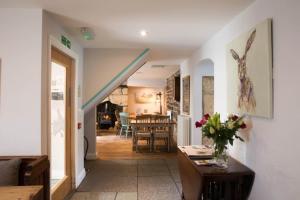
[207,95]
[249,63]
[207,101]
[186,95]
[144,97]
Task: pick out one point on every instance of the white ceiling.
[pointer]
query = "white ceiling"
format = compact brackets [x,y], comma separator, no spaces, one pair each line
[176,27]
[149,76]
[148,72]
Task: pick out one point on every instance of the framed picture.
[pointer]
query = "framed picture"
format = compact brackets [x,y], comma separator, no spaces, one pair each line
[207,95]
[144,97]
[186,95]
[249,63]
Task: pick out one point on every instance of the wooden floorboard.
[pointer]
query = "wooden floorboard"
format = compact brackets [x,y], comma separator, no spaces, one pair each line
[111,146]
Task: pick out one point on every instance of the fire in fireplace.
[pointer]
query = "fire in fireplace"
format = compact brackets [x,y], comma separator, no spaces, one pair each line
[106,114]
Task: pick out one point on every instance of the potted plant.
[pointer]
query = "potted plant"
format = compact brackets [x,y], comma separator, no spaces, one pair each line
[222,133]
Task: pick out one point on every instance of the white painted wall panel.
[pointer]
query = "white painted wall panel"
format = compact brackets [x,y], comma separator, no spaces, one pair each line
[20,95]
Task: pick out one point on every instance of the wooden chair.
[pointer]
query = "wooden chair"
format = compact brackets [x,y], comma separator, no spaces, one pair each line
[142,131]
[161,118]
[125,126]
[144,118]
[162,129]
[118,122]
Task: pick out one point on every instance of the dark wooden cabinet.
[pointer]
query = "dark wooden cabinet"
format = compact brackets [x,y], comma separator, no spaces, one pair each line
[212,183]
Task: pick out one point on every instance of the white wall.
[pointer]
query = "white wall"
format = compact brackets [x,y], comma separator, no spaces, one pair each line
[23,94]
[55,30]
[90,133]
[273,148]
[20,93]
[101,65]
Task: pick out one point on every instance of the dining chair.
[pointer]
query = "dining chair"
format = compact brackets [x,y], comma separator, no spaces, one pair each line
[162,130]
[125,125]
[147,119]
[141,131]
[144,118]
[118,123]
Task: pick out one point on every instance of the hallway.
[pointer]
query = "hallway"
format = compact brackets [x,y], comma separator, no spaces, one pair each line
[120,173]
[156,179]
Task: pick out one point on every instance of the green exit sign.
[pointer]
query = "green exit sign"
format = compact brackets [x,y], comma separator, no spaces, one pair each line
[65,41]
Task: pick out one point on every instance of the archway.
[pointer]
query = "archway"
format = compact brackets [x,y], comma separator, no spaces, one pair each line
[202,94]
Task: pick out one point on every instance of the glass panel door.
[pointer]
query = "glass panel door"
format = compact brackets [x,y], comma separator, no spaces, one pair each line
[58,122]
[61,121]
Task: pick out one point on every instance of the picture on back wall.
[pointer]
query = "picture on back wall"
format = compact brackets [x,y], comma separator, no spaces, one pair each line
[144,97]
[186,95]
[249,64]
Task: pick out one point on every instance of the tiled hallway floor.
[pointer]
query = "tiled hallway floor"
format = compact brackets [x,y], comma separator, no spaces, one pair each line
[130,180]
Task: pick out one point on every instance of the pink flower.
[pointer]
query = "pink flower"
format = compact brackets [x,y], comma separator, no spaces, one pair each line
[206,116]
[243,126]
[203,121]
[234,117]
[198,124]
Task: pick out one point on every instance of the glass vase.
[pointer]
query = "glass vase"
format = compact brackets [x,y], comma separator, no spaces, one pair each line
[221,158]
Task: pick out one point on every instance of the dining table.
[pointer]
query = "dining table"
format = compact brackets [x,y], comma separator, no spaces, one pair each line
[151,126]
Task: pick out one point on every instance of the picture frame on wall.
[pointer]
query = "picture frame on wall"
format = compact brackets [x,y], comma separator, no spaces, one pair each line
[144,97]
[250,72]
[186,95]
[208,95]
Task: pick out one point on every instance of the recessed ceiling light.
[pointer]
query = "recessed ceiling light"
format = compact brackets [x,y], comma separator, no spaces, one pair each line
[143,33]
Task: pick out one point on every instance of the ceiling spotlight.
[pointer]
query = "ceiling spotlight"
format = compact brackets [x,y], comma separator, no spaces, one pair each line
[143,33]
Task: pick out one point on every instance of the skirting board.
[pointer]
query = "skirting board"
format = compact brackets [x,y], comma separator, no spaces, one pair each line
[91,156]
[80,177]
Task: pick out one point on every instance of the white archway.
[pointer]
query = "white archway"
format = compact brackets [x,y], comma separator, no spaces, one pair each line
[203,68]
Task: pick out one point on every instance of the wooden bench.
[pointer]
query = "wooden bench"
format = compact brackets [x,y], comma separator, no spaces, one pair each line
[21,192]
[34,170]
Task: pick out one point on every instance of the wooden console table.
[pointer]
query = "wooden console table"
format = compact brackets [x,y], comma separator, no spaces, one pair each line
[21,193]
[208,182]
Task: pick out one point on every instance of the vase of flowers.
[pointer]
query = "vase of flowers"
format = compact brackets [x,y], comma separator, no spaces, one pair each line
[222,134]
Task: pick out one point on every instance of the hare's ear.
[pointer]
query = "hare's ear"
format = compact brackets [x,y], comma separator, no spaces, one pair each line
[250,41]
[234,54]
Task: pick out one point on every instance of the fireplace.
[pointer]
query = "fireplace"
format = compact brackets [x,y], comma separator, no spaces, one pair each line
[106,114]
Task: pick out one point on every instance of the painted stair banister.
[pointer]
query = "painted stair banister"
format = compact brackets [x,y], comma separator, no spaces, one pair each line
[117,80]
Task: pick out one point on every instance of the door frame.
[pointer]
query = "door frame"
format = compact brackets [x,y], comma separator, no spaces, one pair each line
[53,42]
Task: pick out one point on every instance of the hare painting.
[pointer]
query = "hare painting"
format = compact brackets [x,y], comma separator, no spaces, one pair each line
[246,99]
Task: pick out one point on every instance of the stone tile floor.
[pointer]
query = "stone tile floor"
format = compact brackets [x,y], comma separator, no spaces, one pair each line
[130,180]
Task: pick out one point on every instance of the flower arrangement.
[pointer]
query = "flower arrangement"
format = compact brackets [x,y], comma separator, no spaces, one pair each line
[221,133]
